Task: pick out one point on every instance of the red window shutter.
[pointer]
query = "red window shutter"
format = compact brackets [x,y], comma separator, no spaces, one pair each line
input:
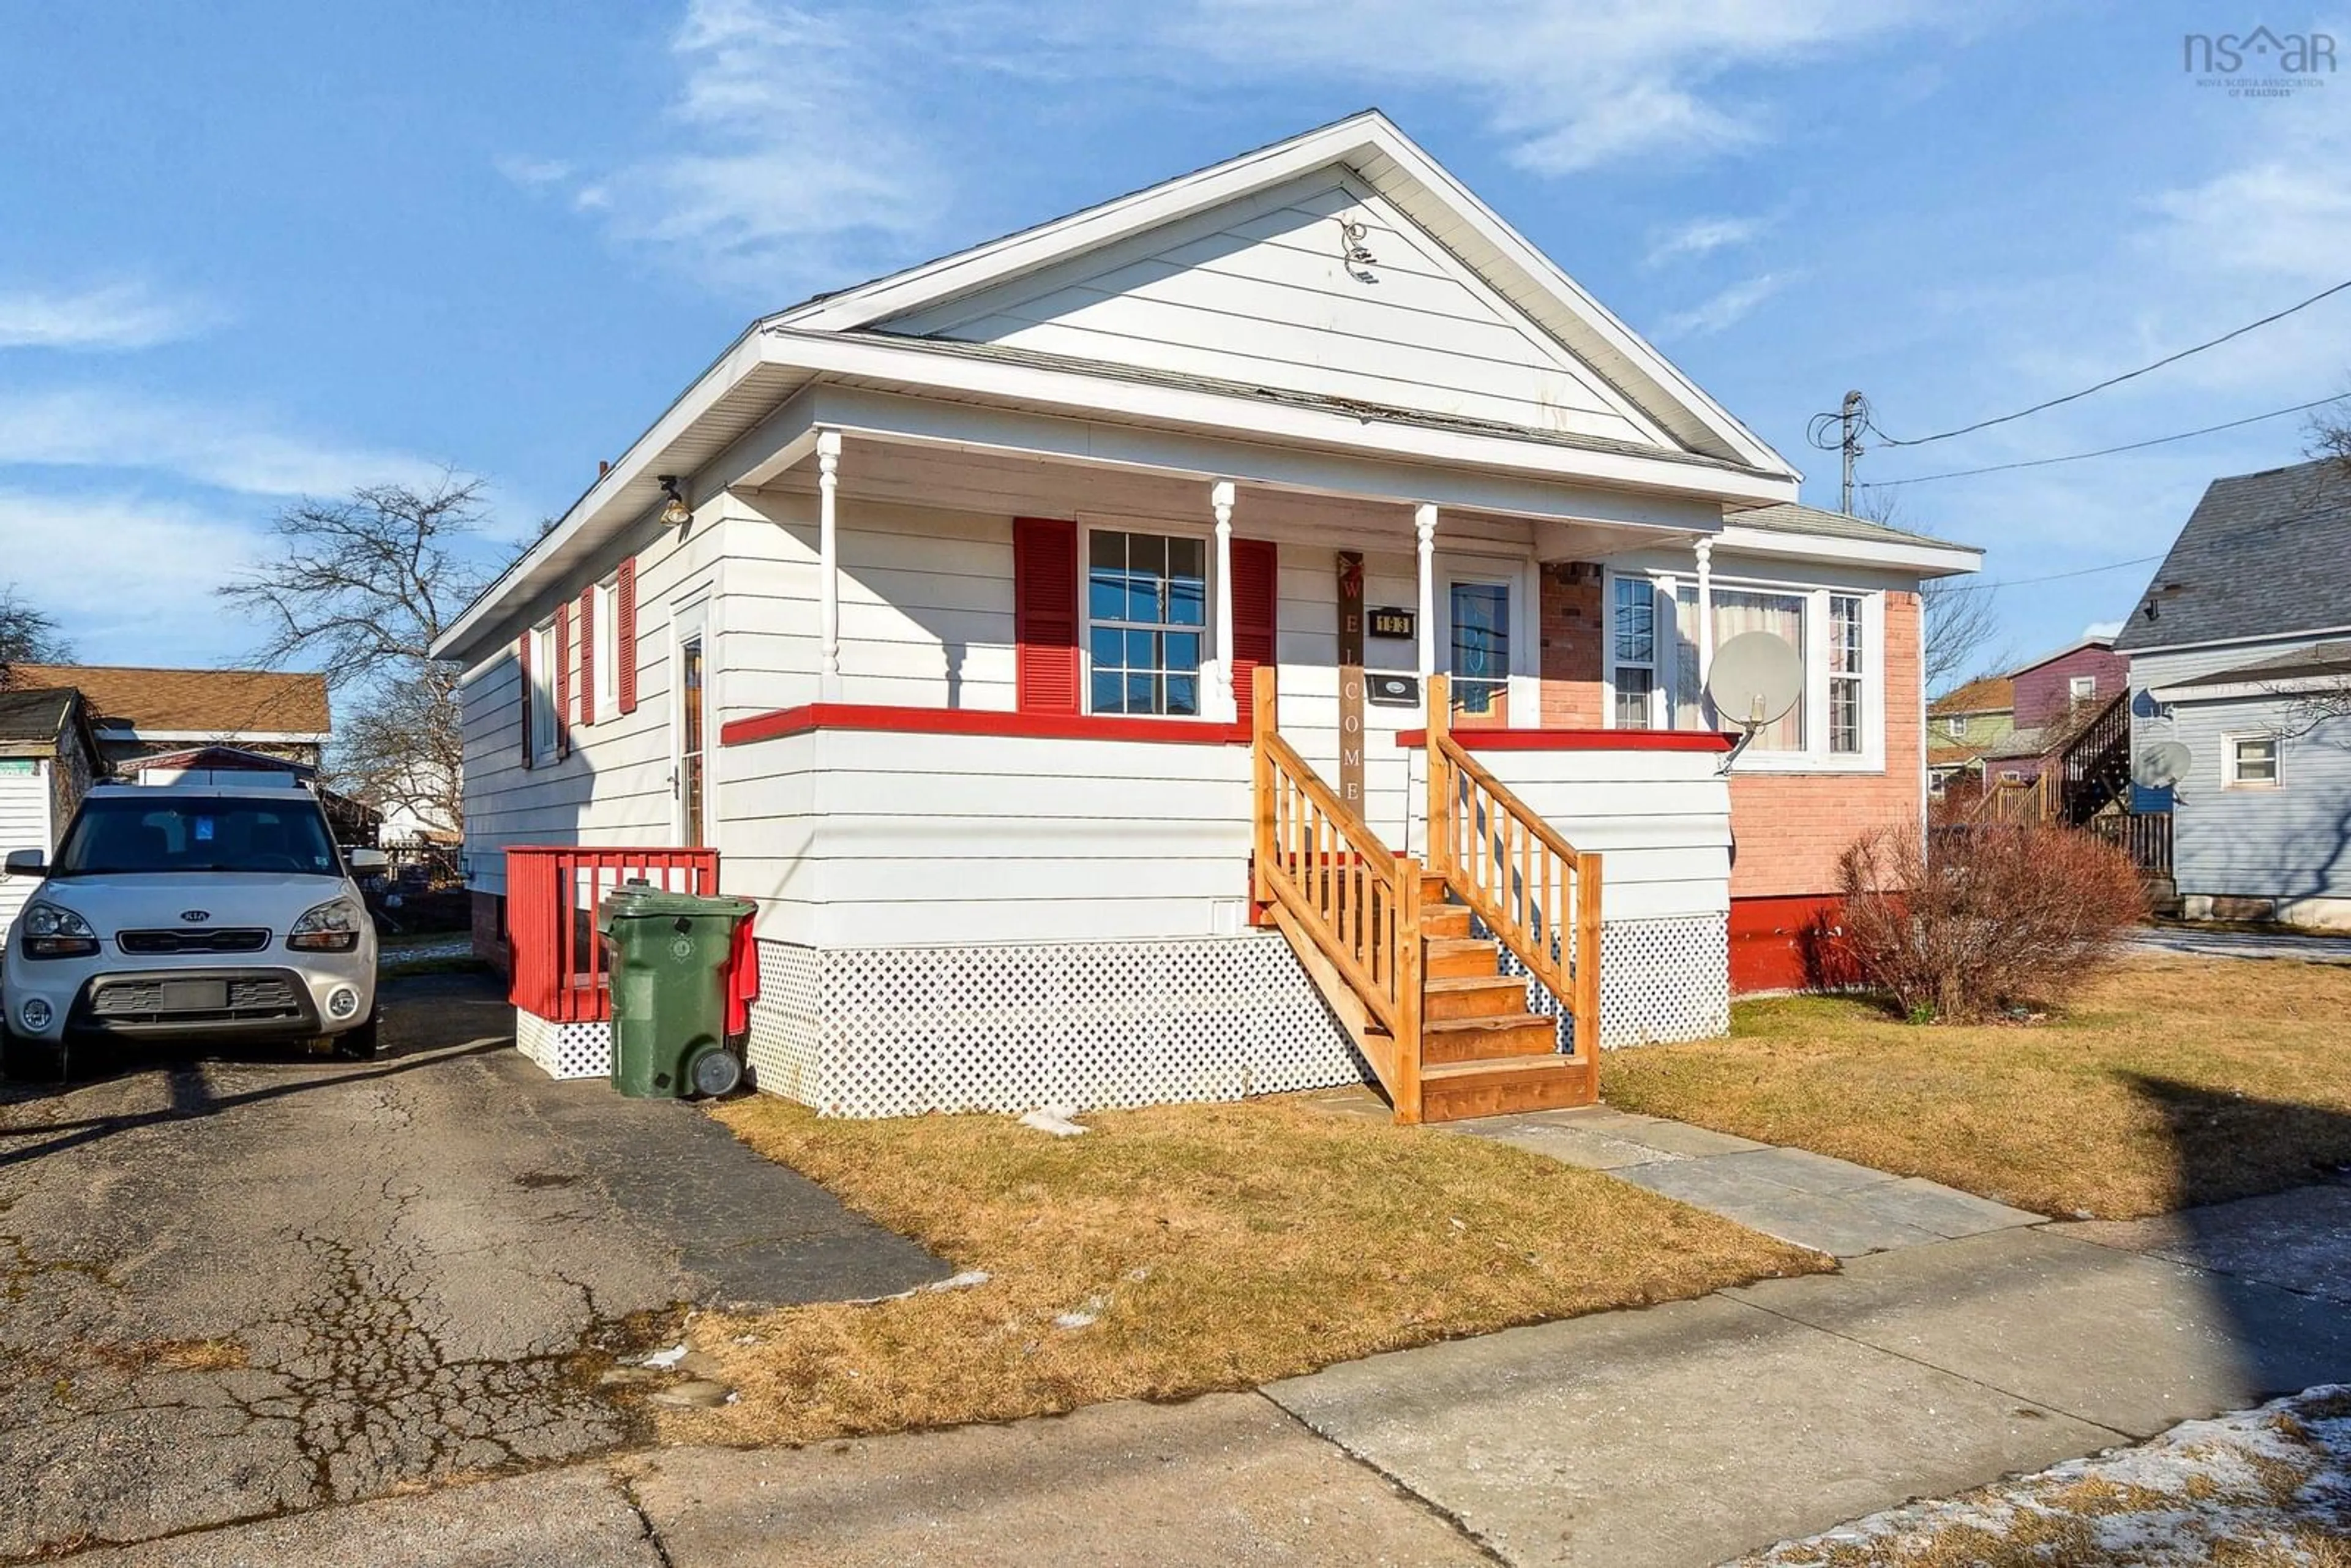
[1256,571]
[563,680]
[624,635]
[588,654]
[1045,613]
[522,664]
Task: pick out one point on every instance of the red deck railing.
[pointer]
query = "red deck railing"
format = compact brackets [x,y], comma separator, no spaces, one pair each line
[559,964]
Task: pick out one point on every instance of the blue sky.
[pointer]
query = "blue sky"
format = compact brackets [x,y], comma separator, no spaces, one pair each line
[258,250]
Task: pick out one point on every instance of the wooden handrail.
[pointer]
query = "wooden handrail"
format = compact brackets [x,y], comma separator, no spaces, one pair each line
[1337,888]
[1536,893]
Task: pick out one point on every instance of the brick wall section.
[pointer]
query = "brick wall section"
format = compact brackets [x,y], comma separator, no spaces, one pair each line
[1789,828]
[1569,617]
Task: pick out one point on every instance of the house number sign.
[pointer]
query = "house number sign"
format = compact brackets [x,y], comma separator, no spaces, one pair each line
[1390,620]
[1351,680]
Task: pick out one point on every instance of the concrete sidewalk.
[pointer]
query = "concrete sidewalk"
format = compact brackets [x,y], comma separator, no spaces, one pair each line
[1682,1435]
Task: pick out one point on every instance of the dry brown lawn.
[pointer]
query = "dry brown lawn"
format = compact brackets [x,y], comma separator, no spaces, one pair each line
[1213,1247]
[2170,1082]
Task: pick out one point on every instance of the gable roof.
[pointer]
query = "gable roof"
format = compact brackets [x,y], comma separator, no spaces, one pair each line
[39,715]
[1370,145]
[2264,555]
[190,701]
[2320,659]
[1985,694]
[2074,647]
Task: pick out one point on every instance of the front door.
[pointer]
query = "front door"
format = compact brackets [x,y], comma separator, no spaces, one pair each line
[693,832]
[1479,658]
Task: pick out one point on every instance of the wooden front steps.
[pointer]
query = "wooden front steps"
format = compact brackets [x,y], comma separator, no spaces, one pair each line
[1484,1054]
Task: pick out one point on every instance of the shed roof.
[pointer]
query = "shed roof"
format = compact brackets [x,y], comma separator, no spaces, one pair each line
[1793,518]
[39,713]
[197,702]
[2264,555]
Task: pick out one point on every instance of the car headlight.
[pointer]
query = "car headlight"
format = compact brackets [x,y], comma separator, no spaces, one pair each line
[53,931]
[331,927]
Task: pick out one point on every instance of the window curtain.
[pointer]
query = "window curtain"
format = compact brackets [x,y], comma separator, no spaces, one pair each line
[1736,609]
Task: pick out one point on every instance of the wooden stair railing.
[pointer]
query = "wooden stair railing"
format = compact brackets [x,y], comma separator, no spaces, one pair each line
[1349,904]
[2095,763]
[1538,894]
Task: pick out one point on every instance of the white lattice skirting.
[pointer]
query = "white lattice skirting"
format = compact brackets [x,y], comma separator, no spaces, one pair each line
[898,1032]
[565,1050]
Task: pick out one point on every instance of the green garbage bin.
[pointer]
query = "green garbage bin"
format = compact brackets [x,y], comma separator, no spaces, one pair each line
[669,991]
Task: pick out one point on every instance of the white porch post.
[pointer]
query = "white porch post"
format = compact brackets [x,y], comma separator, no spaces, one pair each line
[828,565]
[1424,525]
[1223,702]
[1705,551]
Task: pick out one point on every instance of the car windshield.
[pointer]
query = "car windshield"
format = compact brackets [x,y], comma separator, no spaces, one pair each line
[216,833]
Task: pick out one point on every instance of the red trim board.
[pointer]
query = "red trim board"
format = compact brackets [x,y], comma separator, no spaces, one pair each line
[888,719]
[1576,739]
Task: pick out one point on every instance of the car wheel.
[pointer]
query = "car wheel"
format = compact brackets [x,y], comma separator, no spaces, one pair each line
[31,1061]
[359,1044]
[715,1075]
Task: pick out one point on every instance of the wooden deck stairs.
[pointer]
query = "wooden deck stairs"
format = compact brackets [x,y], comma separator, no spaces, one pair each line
[1393,944]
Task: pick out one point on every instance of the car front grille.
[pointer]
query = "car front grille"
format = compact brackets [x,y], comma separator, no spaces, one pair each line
[195,939]
[247,997]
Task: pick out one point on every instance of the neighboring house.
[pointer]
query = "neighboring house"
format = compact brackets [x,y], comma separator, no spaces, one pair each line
[2239,653]
[141,712]
[1964,724]
[934,606]
[48,758]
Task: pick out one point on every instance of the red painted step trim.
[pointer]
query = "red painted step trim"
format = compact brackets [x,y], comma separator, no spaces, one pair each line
[1577,739]
[895,720]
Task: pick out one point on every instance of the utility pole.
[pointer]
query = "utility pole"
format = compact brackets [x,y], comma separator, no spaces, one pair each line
[1853,416]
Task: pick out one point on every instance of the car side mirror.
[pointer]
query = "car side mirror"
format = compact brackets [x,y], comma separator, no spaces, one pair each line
[28,862]
[366,860]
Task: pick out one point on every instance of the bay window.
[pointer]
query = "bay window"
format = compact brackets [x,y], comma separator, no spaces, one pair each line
[1654,666]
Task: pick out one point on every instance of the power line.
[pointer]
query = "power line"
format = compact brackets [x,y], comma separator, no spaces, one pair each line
[2113,381]
[2053,576]
[2104,451]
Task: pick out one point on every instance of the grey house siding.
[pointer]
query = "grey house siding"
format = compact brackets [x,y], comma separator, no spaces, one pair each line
[2288,844]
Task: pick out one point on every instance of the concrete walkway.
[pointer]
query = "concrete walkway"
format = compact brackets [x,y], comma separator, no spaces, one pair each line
[1828,1204]
[2292,946]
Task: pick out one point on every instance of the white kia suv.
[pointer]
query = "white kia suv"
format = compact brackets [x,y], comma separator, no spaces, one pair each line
[184,913]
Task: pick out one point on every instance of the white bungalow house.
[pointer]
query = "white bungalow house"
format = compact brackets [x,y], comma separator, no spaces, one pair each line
[1045,638]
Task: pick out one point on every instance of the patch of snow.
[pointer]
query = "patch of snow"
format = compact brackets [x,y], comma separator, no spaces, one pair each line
[1083,1317]
[1059,1120]
[2193,1489]
[963,1281]
[665,1359]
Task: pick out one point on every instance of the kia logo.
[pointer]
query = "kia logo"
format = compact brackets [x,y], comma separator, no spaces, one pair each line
[195,917]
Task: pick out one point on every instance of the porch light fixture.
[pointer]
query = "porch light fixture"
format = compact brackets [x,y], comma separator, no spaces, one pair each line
[675,512]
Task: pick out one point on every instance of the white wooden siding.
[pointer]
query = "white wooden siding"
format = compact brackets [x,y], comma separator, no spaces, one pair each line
[1259,292]
[1662,819]
[24,825]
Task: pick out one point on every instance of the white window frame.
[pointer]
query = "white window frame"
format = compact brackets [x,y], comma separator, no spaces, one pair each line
[605,608]
[542,693]
[1658,710]
[2074,692]
[1815,757]
[2228,744]
[1955,727]
[1087,528]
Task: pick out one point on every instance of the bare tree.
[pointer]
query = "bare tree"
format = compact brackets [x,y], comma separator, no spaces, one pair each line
[28,634]
[362,588]
[1962,620]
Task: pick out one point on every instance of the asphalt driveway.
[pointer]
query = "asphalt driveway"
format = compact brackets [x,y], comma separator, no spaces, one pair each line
[234,1287]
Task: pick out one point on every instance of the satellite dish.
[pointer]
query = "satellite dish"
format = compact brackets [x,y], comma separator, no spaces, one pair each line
[1753,679]
[2161,764]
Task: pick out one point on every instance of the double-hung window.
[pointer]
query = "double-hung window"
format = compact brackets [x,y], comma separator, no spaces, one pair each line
[1146,617]
[1633,635]
[1845,674]
[2253,762]
[542,693]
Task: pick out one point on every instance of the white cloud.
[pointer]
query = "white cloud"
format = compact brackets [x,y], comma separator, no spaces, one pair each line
[1570,86]
[152,602]
[1725,309]
[531,173]
[1703,236]
[789,159]
[86,428]
[108,316]
[2103,628]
